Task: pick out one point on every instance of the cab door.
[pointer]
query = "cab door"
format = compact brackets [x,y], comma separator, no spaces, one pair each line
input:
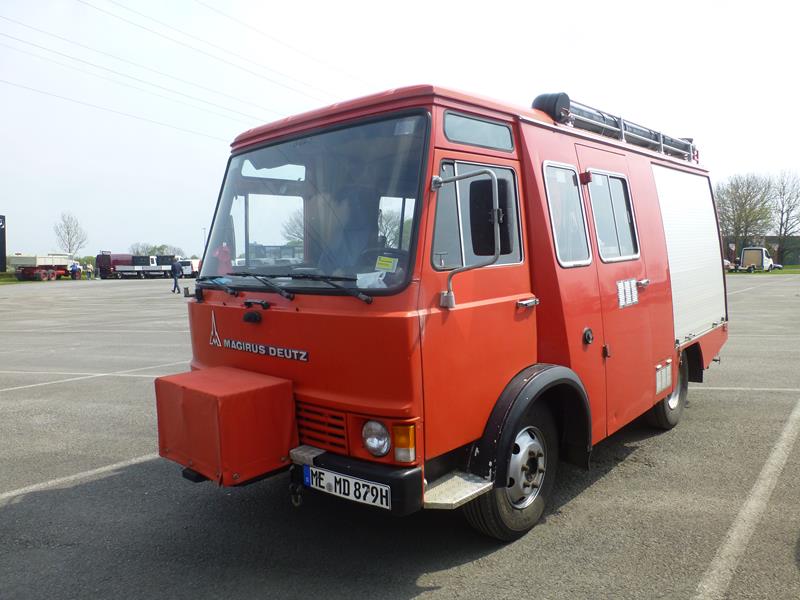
[623,283]
[471,352]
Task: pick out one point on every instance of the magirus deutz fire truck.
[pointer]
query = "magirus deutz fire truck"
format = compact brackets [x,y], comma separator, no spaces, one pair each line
[426,299]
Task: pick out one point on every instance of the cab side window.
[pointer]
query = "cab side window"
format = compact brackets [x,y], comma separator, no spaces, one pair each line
[464,233]
[613,216]
[566,216]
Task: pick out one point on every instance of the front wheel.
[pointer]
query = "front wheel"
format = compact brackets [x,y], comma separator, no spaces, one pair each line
[513,507]
[667,413]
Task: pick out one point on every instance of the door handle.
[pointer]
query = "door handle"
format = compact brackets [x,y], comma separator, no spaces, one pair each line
[643,283]
[528,302]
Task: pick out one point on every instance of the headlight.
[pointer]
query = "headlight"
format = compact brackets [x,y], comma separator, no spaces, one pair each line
[376,438]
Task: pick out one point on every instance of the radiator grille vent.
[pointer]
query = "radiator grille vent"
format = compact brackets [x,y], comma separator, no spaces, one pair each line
[321,427]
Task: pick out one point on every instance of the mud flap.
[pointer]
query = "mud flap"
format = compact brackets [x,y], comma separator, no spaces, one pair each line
[227,424]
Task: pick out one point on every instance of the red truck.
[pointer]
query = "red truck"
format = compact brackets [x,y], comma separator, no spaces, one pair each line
[475,292]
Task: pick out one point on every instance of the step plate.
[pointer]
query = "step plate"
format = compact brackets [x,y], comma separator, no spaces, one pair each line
[455,489]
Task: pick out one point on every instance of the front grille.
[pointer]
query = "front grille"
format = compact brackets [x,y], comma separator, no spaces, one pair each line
[321,427]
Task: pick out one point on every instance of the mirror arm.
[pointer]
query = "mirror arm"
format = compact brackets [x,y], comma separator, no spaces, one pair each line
[447,298]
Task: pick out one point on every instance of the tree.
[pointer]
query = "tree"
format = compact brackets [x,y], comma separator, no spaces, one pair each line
[148,249]
[293,229]
[744,206]
[389,227]
[141,248]
[70,235]
[786,201]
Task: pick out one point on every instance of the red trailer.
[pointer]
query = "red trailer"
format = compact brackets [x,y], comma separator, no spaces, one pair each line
[40,268]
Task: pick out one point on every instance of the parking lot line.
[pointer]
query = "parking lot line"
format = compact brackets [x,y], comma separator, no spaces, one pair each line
[760,286]
[83,377]
[742,389]
[717,578]
[74,373]
[75,478]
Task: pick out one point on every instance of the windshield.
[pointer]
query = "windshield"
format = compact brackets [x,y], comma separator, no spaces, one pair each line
[338,204]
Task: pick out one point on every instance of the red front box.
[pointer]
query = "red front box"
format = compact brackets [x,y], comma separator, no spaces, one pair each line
[227,424]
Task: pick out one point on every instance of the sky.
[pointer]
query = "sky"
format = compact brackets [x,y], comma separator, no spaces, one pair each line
[121,112]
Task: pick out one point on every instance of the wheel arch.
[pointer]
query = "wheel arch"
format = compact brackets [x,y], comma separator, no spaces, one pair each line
[563,392]
[694,356]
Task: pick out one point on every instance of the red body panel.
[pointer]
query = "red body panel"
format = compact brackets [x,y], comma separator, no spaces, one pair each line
[227,424]
[359,359]
[471,352]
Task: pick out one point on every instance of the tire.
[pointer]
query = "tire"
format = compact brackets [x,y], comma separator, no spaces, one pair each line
[508,512]
[751,269]
[41,275]
[666,414]
[51,275]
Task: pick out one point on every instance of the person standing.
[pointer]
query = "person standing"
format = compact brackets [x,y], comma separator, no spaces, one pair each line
[89,271]
[177,269]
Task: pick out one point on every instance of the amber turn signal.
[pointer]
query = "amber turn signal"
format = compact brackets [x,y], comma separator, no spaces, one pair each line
[404,443]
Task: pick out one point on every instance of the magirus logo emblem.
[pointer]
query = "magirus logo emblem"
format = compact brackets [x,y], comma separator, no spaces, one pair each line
[263,349]
[214,340]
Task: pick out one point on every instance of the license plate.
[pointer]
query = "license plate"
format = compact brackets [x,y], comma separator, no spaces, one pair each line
[351,488]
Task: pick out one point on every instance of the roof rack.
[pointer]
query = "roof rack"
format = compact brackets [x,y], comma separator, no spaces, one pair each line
[563,110]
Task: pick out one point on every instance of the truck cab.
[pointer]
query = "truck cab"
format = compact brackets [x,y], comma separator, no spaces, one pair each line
[426,299]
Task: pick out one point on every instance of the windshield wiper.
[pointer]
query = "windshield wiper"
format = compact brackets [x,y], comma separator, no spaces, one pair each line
[214,279]
[331,281]
[267,283]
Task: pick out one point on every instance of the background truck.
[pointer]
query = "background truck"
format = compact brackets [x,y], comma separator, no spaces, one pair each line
[757,258]
[471,292]
[116,266]
[107,263]
[190,267]
[40,268]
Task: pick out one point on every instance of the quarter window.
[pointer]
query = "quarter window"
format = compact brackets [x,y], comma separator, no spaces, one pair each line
[613,216]
[477,132]
[464,233]
[566,216]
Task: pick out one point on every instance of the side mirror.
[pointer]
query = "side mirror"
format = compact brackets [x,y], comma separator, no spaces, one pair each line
[447,298]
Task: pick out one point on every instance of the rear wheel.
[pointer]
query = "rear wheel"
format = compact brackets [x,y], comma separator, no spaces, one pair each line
[51,275]
[509,511]
[667,413]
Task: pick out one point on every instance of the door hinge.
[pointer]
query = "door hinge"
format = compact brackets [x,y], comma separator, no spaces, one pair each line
[606,351]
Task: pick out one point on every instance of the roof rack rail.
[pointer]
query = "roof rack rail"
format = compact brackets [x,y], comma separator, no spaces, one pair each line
[563,110]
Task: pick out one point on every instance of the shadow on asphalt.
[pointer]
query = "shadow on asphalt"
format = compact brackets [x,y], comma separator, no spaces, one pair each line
[146,532]
[797,554]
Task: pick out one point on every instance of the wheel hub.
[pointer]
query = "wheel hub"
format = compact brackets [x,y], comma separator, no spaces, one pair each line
[526,468]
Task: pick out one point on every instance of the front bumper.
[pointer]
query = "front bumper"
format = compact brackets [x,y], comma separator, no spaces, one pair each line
[405,483]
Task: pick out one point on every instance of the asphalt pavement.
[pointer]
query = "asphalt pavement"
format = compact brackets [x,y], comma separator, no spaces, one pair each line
[707,510]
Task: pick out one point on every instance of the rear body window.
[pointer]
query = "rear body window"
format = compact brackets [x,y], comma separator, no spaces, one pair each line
[613,218]
[566,215]
[477,132]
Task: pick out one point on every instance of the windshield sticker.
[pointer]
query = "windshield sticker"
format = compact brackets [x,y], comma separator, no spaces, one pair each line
[386,264]
[371,280]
